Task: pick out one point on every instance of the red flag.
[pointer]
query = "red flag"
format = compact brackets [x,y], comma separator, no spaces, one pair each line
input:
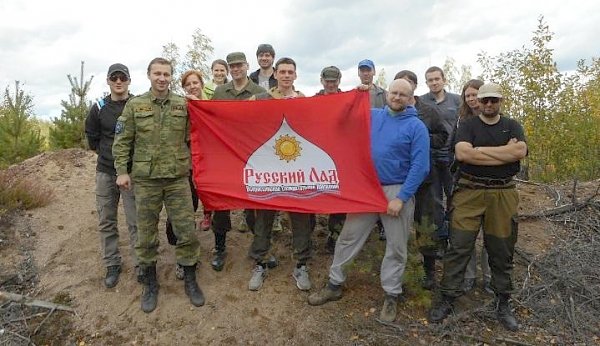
[305,154]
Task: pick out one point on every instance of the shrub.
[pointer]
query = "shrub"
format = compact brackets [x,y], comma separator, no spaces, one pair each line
[22,193]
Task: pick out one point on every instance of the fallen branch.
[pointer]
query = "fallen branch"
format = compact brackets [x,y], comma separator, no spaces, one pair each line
[18,298]
[19,336]
[511,341]
[389,324]
[37,329]
[559,210]
[27,317]
[551,191]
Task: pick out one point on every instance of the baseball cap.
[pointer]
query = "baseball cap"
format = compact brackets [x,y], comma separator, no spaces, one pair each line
[366,63]
[236,58]
[489,90]
[265,48]
[114,68]
[331,73]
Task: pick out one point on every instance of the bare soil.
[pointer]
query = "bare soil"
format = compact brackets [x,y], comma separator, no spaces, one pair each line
[58,245]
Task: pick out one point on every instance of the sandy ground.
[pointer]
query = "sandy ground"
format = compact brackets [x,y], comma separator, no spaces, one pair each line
[67,255]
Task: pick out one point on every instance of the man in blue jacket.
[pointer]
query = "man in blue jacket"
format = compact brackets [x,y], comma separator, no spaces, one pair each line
[400,151]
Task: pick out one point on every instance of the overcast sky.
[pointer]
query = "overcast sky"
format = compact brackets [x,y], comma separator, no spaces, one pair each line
[42,41]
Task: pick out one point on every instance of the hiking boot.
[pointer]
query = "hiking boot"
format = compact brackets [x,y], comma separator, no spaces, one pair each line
[277,226]
[218,261]
[487,286]
[179,272]
[150,291]
[428,281]
[330,245]
[389,309]
[468,285]
[504,313]
[191,286]
[441,309]
[112,276]
[139,274]
[272,262]
[302,279]
[258,276]
[206,221]
[326,294]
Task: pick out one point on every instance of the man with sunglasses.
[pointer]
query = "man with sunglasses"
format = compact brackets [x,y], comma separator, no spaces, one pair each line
[100,133]
[489,148]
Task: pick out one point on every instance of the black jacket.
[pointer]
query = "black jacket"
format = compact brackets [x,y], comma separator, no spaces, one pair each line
[438,134]
[272,81]
[100,132]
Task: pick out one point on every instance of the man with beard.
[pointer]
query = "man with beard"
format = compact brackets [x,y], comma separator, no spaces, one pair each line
[489,148]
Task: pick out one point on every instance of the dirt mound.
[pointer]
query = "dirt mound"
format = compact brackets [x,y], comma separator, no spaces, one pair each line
[68,264]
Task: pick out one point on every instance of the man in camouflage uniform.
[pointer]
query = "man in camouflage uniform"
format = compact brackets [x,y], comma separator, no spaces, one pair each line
[489,148]
[153,133]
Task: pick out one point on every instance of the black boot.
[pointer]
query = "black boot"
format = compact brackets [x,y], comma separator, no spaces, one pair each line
[218,261]
[150,292]
[505,314]
[442,247]
[112,276]
[429,278]
[191,286]
[441,309]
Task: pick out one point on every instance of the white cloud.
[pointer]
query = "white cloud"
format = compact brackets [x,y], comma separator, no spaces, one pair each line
[43,41]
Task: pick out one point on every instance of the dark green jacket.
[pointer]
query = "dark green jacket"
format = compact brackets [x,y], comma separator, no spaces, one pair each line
[228,92]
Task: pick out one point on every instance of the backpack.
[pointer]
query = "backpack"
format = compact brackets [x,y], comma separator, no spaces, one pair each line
[100,103]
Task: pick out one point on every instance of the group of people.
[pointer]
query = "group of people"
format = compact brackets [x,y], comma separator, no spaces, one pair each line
[445,163]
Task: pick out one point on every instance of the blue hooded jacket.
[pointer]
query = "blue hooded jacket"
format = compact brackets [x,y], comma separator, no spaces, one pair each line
[400,149]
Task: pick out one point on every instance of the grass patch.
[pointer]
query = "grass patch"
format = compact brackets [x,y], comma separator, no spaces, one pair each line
[22,193]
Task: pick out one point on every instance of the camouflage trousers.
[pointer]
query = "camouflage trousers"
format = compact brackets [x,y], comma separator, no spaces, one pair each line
[176,196]
[494,209]
[107,205]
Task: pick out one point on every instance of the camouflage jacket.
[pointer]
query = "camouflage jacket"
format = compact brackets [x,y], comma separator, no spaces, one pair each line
[156,133]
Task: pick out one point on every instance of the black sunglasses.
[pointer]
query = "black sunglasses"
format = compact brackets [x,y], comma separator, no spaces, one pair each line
[485,100]
[120,76]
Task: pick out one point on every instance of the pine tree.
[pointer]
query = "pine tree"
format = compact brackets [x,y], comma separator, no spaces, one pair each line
[69,129]
[19,137]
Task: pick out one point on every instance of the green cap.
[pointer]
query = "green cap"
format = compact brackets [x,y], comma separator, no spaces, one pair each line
[236,58]
[331,73]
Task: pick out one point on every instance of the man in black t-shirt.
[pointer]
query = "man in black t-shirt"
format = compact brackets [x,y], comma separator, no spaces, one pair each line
[489,148]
